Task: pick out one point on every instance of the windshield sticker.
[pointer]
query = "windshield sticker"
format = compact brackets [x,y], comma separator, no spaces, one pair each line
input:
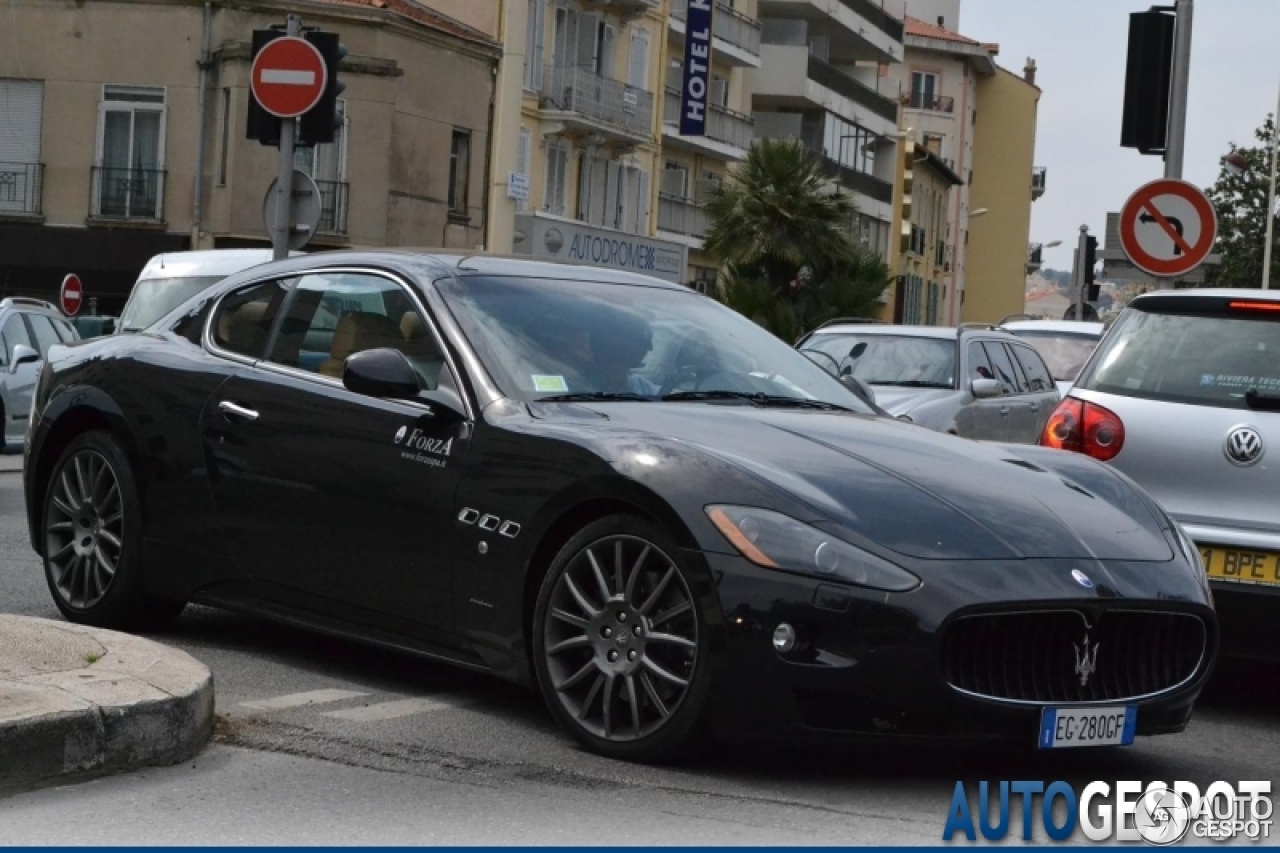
[1243,383]
[549,383]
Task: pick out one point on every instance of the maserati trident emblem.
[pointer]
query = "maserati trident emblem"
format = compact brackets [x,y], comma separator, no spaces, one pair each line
[1086,660]
[1243,446]
[1081,578]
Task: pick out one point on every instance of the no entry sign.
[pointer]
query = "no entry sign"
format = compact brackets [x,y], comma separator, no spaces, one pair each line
[289,77]
[1168,228]
[71,296]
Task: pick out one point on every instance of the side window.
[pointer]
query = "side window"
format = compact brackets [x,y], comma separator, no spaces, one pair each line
[46,336]
[244,318]
[335,315]
[979,366]
[14,332]
[65,331]
[1002,367]
[1038,378]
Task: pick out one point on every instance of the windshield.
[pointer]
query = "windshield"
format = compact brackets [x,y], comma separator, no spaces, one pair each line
[913,361]
[1065,353]
[152,298]
[541,338]
[1203,359]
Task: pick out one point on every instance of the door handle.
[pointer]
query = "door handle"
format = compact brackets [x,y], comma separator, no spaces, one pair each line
[1004,410]
[1035,407]
[229,408]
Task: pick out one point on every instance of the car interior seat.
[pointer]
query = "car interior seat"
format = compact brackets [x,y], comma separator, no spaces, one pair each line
[358,331]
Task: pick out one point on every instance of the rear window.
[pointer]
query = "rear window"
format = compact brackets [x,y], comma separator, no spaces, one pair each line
[152,298]
[907,360]
[1065,353]
[1207,359]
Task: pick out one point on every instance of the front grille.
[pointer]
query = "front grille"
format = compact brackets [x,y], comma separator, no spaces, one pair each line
[1041,656]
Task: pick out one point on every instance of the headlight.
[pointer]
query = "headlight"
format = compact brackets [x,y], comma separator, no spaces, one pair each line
[777,541]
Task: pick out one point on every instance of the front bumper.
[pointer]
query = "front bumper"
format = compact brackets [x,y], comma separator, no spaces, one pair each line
[871,664]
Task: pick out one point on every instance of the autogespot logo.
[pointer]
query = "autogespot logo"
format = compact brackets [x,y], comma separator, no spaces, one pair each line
[1158,814]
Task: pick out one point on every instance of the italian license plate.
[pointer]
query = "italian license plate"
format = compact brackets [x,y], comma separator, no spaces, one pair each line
[1240,566]
[1066,727]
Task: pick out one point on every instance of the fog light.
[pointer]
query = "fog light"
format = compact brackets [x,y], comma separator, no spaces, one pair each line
[784,638]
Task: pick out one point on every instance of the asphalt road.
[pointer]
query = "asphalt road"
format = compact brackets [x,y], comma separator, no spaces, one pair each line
[322,741]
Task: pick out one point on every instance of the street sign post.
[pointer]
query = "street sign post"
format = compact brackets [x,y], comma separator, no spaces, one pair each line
[289,76]
[71,295]
[302,212]
[1168,228]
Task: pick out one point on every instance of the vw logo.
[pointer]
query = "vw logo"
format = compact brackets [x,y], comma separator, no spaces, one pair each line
[1081,578]
[1244,446]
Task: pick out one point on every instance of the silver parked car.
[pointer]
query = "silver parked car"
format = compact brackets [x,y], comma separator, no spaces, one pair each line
[1065,345]
[974,381]
[28,327]
[1183,395]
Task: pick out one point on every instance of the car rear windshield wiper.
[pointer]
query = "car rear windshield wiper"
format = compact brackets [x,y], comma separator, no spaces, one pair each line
[757,398]
[594,397]
[911,383]
[1260,402]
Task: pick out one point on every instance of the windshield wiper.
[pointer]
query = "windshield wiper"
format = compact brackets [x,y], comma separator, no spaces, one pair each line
[594,397]
[757,398]
[912,383]
[1260,402]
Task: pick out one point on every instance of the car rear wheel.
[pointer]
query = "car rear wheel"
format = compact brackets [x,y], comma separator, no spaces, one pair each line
[620,642]
[92,540]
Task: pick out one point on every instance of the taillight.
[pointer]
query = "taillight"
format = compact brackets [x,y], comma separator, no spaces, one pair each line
[1084,428]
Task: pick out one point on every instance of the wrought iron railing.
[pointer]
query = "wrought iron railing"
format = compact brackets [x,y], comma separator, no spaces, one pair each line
[21,186]
[602,99]
[333,207]
[931,102]
[128,193]
[727,24]
[723,124]
[678,215]
[842,84]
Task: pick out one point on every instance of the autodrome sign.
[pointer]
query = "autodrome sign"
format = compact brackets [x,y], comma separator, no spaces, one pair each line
[697,68]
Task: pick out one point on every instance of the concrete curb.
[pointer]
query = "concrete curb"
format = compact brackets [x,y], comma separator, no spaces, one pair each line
[76,700]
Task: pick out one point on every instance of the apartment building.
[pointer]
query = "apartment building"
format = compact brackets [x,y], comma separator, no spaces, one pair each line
[825,78]
[921,262]
[124,134]
[578,135]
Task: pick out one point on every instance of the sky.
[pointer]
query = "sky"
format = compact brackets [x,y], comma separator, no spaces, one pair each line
[1080,49]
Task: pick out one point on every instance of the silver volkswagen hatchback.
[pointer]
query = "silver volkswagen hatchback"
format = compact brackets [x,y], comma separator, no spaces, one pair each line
[1183,395]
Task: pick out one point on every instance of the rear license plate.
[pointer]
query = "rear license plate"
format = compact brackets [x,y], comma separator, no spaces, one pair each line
[1233,564]
[1065,727]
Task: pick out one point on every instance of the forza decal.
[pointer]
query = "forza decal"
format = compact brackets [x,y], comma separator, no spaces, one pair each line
[433,452]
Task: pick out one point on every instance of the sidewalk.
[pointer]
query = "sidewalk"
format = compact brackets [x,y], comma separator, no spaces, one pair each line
[82,700]
[10,462]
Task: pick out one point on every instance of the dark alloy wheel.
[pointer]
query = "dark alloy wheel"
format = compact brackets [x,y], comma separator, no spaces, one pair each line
[619,642]
[91,549]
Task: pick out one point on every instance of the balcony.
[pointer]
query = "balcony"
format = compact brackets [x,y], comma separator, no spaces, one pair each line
[136,194]
[859,182]
[792,80]
[870,30]
[625,8]
[1038,176]
[842,84]
[683,217]
[592,104]
[929,102]
[1035,257]
[21,186]
[729,134]
[333,207]
[736,37]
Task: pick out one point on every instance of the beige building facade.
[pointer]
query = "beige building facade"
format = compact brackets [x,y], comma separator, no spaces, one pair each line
[125,102]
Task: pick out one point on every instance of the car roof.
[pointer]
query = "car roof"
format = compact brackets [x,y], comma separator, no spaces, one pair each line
[1211,293]
[211,262]
[940,332]
[1076,327]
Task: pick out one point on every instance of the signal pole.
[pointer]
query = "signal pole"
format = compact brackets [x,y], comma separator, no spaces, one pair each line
[284,170]
[1077,271]
[1179,84]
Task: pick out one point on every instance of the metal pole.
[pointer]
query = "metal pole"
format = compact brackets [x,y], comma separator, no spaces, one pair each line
[1077,271]
[1271,203]
[284,174]
[1177,128]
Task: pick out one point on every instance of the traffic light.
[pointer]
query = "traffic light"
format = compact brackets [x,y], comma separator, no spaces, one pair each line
[262,125]
[907,164]
[318,125]
[1147,82]
[1090,261]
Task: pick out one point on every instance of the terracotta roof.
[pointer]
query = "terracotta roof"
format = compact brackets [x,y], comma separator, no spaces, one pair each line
[427,17]
[917,27]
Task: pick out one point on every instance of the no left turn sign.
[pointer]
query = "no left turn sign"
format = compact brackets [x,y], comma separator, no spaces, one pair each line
[1168,228]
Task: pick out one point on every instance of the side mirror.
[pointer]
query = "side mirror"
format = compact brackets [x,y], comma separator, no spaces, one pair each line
[381,372]
[22,354]
[985,389]
[860,389]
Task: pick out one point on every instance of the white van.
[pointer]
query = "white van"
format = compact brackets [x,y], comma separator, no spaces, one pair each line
[170,279]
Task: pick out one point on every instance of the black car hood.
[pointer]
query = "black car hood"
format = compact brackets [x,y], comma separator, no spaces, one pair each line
[917,492]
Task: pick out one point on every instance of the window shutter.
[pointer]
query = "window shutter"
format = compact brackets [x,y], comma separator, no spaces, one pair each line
[534,44]
[21,112]
[585,53]
[642,209]
[522,162]
[638,59]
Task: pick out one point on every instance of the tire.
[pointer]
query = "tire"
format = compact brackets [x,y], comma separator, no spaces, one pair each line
[92,531]
[626,673]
